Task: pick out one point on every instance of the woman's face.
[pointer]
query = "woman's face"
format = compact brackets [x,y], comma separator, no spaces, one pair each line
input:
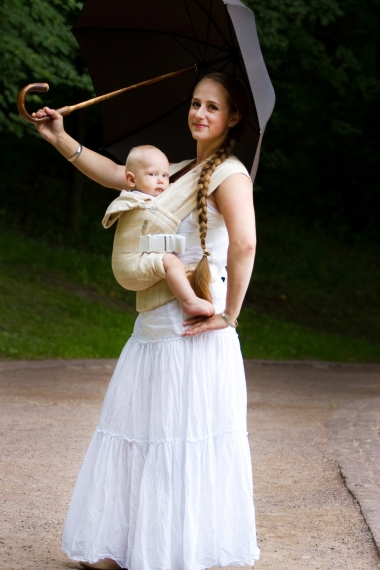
[210,118]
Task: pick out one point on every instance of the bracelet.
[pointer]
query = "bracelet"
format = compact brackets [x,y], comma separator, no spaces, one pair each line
[76,154]
[228,322]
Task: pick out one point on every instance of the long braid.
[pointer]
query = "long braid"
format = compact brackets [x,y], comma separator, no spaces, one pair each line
[238,103]
[201,277]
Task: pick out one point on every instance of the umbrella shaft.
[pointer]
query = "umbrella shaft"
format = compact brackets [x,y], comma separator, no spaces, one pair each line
[131,88]
[43,87]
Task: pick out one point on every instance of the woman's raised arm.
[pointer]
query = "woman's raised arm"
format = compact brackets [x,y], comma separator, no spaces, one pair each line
[94,165]
[235,201]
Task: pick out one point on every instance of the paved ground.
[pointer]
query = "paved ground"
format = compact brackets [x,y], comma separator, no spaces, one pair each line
[307,423]
[355,434]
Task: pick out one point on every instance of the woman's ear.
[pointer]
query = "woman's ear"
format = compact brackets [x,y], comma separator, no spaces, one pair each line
[130,177]
[235,118]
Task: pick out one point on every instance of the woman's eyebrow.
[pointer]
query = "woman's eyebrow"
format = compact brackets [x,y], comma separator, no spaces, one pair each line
[213,102]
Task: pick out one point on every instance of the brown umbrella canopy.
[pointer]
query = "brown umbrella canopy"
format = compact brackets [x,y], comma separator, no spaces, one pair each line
[125,42]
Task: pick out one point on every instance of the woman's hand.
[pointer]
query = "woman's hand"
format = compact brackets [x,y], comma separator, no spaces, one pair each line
[90,163]
[198,325]
[49,130]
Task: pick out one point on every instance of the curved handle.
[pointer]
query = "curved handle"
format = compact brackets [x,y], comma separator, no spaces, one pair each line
[67,110]
[41,87]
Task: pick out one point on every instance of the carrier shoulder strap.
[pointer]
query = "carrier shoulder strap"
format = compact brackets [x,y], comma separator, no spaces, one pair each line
[123,203]
[180,198]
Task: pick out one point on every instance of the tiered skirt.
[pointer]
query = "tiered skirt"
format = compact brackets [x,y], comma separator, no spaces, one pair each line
[166,483]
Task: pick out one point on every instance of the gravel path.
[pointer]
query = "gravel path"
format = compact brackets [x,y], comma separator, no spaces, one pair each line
[307,423]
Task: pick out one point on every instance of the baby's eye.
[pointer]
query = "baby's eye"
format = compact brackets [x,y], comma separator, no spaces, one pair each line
[152,174]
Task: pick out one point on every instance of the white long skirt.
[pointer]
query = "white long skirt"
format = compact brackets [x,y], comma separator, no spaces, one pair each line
[166,483]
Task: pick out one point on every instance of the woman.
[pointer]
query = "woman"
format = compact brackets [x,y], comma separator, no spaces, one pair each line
[166,483]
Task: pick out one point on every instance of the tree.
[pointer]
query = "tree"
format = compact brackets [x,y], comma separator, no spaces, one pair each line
[321,149]
[36,45]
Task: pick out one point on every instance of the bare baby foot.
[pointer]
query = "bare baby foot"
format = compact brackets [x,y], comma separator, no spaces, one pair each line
[198,307]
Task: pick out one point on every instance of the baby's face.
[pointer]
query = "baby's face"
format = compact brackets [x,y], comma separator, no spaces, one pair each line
[151,173]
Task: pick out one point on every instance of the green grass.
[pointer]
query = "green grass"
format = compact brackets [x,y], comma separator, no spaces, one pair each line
[62,303]
[59,303]
[307,277]
[265,337]
[42,321]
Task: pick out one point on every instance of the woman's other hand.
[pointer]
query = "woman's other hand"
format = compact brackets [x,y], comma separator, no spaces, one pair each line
[198,325]
[49,130]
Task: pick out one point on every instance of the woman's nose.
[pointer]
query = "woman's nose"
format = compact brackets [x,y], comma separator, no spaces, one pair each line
[200,112]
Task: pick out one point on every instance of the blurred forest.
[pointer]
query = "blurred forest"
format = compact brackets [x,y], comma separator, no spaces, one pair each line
[320,155]
[317,192]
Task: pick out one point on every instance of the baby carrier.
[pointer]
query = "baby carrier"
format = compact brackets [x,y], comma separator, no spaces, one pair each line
[151,226]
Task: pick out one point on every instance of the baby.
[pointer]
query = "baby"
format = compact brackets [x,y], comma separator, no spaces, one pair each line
[147,172]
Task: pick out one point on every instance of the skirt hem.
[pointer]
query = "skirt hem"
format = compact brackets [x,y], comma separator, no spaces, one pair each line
[236,563]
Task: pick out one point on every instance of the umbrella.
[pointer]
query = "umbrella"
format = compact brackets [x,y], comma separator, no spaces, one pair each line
[126,42]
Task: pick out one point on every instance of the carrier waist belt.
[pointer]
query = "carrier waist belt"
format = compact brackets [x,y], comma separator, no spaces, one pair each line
[162,243]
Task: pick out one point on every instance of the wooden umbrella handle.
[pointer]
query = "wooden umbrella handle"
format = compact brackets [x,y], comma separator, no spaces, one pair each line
[67,110]
[40,87]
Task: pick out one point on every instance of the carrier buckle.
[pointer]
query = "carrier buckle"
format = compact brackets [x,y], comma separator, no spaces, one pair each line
[162,243]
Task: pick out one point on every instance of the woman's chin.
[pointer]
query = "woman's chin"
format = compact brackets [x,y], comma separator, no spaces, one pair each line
[200,136]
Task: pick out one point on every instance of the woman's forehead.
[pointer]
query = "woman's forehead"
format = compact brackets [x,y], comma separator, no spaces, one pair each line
[210,90]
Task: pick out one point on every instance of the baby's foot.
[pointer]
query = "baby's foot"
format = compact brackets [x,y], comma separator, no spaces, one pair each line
[198,307]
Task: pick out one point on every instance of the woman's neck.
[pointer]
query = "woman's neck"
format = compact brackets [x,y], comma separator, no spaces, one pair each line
[207,149]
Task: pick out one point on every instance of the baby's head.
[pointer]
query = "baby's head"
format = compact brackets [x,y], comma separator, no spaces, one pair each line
[147,170]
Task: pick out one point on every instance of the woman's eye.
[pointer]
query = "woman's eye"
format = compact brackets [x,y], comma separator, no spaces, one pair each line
[213,108]
[195,104]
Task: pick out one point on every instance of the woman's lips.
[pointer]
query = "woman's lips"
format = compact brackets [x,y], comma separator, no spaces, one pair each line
[199,125]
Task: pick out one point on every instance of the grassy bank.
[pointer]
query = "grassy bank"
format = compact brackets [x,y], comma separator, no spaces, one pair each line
[62,303]
[307,277]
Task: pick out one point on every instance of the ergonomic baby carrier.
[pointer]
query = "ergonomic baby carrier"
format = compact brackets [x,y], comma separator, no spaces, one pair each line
[152,225]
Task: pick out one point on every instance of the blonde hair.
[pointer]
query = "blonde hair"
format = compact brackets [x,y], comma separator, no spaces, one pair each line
[237,101]
[136,155]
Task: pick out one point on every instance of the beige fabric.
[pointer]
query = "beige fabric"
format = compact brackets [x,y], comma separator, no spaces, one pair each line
[144,272]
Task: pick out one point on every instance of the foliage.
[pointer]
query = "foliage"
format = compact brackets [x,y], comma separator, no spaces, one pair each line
[321,148]
[320,151]
[318,167]
[36,46]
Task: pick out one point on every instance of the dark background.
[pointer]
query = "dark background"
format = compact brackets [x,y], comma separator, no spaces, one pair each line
[320,155]
[318,179]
